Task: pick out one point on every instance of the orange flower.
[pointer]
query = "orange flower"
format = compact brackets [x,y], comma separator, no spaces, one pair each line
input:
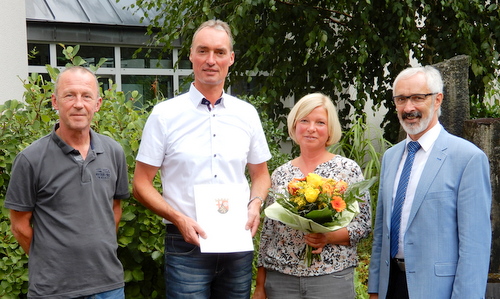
[328,187]
[338,203]
[293,187]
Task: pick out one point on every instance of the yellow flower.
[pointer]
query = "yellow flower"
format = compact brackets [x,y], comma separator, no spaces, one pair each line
[311,194]
[314,180]
[301,202]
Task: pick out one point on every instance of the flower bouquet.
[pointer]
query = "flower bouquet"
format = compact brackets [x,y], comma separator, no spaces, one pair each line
[317,205]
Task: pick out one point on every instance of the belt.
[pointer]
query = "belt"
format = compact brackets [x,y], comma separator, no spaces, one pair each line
[172,229]
[400,263]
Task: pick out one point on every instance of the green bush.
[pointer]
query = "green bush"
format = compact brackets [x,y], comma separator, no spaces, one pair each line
[20,125]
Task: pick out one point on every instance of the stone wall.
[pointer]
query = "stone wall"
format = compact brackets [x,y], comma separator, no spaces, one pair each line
[485,133]
[456,105]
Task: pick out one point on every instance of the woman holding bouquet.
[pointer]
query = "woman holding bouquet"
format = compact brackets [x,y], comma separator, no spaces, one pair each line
[282,273]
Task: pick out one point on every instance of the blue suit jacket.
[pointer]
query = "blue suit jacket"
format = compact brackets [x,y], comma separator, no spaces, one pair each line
[448,237]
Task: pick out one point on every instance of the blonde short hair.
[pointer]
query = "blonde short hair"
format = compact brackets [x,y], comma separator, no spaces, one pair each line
[307,104]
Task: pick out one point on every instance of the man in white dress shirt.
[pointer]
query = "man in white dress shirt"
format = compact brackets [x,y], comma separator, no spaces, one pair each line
[204,136]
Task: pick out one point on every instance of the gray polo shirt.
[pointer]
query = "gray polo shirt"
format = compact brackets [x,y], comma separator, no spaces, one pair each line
[73,251]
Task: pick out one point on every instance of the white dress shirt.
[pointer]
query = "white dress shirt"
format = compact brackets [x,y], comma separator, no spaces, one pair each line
[426,142]
[194,145]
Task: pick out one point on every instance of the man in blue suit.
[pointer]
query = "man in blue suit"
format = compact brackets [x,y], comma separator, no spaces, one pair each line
[432,231]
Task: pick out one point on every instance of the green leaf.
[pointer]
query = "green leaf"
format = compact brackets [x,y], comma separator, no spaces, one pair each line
[320,216]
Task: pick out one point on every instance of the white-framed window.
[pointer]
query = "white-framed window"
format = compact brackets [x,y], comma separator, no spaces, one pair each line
[141,71]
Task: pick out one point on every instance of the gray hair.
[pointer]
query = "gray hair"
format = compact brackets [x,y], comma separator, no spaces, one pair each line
[218,25]
[432,76]
[75,68]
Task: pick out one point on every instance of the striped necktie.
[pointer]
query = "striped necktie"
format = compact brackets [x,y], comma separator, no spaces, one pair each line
[413,147]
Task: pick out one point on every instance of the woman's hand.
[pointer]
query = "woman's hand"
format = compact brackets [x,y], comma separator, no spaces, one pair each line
[260,291]
[316,241]
[319,240]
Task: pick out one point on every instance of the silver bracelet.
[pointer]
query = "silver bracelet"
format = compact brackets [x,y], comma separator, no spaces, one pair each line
[254,198]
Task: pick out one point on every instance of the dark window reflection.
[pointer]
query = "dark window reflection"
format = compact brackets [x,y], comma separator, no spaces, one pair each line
[91,54]
[146,58]
[38,54]
[151,87]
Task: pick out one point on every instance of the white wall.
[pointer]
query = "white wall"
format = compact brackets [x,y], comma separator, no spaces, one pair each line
[13,49]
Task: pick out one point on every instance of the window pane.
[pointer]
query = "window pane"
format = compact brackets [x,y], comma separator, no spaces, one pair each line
[150,87]
[243,87]
[185,63]
[147,58]
[104,81]
[91,54]
[38,54]
[184,83]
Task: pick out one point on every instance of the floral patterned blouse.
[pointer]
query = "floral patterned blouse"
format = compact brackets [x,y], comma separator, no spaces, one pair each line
[281,247]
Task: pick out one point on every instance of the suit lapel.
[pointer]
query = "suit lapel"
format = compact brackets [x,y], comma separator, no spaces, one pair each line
[431,169]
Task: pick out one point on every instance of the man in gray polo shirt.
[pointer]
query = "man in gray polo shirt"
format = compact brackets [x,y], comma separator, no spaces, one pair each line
[64,199]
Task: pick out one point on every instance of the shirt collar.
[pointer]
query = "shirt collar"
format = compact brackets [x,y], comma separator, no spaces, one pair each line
[196,97]
[427,140]
[95,143]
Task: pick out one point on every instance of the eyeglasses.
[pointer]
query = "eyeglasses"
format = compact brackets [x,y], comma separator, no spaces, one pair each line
[416,99]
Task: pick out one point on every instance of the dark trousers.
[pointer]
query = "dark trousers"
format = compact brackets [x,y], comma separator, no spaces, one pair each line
[398,288]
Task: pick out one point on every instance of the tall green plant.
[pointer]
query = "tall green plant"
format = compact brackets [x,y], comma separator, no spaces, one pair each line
[366,147]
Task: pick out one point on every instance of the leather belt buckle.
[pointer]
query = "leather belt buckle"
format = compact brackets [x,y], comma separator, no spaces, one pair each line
[401,264]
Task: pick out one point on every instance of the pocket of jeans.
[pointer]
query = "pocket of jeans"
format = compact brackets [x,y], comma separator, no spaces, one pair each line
[346,273]
[175,244]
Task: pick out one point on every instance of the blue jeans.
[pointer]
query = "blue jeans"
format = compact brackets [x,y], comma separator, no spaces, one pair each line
[190,274]
[113,294]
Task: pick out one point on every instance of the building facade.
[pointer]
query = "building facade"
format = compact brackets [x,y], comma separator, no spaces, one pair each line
[13,61]
[103,29]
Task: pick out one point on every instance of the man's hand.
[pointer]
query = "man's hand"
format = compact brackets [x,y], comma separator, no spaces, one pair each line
[190,230]
[253,216]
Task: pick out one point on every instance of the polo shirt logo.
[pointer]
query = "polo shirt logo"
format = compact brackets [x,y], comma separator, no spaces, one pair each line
[103,173]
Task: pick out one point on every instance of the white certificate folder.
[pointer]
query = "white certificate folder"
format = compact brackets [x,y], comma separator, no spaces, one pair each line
[221,211]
